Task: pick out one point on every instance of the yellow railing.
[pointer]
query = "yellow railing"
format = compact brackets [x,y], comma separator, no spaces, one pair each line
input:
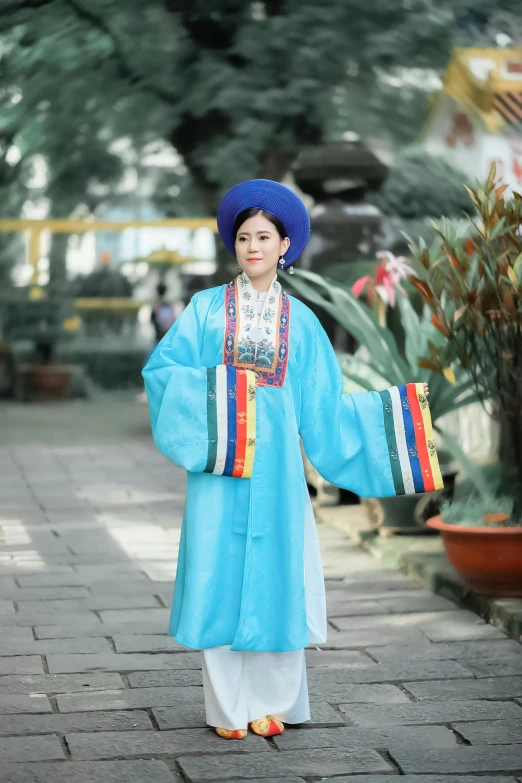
[108,303]
[35,228]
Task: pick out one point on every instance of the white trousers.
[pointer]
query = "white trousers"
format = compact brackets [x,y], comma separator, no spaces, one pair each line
[243,686]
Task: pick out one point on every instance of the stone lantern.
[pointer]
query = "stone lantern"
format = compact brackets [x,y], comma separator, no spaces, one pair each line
[345,227]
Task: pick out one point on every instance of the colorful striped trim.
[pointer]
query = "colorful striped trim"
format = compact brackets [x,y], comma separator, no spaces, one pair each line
[409,435]
[231,421]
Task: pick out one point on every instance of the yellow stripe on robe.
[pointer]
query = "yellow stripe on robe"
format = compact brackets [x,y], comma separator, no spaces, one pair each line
[430,440]
[251,424]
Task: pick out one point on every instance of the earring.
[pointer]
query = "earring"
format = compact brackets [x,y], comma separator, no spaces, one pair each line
[282,261]
[291,270]
[239,268]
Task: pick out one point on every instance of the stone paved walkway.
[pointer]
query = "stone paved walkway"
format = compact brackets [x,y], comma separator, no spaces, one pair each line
[92,690]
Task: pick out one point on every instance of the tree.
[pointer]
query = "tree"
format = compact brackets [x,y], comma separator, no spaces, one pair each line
[236,87]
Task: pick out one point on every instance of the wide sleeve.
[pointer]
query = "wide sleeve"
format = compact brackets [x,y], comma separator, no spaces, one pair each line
[202,418]
[375,444]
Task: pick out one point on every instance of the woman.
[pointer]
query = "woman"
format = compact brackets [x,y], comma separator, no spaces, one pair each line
[243,374]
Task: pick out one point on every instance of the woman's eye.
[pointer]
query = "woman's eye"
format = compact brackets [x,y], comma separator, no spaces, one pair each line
[264,237]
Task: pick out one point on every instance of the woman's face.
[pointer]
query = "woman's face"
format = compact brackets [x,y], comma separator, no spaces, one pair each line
[259,247]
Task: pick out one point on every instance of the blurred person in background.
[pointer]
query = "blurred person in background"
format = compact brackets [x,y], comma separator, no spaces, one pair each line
[162,315]
[243,374]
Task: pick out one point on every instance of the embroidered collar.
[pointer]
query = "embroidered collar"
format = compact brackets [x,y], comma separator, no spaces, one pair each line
[267,353]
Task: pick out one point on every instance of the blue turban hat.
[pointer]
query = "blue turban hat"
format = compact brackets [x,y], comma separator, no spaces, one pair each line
[272,197]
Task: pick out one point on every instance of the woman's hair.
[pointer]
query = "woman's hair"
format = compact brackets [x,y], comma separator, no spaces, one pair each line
[252,212]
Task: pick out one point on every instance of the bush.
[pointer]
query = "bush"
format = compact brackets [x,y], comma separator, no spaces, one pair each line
[470,512]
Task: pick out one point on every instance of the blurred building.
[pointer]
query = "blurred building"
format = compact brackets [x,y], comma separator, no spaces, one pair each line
[477,117]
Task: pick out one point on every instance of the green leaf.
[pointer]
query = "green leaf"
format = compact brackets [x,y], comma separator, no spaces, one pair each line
[415,339]
[498,228]
[469,468]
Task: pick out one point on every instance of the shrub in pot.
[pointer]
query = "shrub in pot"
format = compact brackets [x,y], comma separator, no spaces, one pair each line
[481,546]
[472,283]
[44,322]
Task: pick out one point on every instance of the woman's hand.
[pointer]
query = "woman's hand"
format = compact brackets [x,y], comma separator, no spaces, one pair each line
[426,390]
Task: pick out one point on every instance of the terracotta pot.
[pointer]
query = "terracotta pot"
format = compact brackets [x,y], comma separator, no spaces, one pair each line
[488,558]
[48,381]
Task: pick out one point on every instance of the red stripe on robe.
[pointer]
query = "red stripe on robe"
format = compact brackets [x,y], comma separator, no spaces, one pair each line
[241,423]
[420,438]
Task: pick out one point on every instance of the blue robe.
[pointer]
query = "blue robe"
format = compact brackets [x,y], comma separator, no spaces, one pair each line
[240,574]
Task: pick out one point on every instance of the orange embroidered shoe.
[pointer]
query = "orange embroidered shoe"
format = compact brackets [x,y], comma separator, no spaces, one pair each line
[237,734]
[267,726]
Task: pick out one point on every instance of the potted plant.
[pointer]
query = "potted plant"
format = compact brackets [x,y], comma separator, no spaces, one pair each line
[485,551]
[37,323]
[472,283]
[382,361]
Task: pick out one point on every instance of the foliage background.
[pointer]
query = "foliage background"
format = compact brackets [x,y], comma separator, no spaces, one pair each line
[236,87]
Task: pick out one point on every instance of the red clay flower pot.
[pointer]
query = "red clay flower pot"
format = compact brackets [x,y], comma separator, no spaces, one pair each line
[488,558]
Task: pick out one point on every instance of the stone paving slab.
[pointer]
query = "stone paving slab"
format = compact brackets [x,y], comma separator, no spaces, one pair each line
[89,772]
[512,665]
[463,759]
[339,693]
[58,683]
[320,658]
[495,732]
[73,722]
[166,743]
[129,698]
[272,780]
[491,688]
[22,633]
[323,714]
[369,637]
[101,629]
[135,616]
[165,679]
[47,646]
[339,605]
[425,779]
[181,716]
[117,662]
[144,643]
[493,650]
[360,739]
[316,763]
[41,748]
[21,664]
[71,579]
[90,603]
[52,618]
[432,713]
[15,703]
[405,672]
[437,626]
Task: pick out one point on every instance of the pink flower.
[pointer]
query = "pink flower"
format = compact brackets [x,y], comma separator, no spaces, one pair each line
[388,275]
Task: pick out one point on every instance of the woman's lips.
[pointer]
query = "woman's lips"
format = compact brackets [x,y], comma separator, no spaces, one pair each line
[253,259]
